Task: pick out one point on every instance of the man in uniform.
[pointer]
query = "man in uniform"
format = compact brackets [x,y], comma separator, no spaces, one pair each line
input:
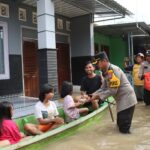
[117,85]
[144,73]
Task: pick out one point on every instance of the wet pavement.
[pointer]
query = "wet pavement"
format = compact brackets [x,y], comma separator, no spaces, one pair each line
[105,136]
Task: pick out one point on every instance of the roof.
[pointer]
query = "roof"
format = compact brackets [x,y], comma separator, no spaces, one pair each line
[74,8]
[137,29]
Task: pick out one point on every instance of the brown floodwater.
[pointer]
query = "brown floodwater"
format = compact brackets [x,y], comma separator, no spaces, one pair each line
[104,135]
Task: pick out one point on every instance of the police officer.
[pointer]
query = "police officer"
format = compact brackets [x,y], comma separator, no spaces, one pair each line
[117,85]
[144,73]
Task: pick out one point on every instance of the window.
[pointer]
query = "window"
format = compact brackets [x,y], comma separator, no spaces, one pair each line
[22,14]
[68,25]
[34,17]
[59,23]
[4,60]
[4,10]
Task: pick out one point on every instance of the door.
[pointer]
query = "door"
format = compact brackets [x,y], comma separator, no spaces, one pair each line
[31,72]
[63,63]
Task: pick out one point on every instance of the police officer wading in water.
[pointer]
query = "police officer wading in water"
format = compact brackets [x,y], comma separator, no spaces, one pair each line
[117,85]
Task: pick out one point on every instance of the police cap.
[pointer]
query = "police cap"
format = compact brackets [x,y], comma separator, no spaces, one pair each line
[101,56]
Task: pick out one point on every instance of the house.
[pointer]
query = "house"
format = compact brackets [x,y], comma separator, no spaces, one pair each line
[47,41]
[122,40]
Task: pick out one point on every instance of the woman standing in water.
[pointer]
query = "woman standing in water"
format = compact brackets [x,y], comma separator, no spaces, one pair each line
[138,84]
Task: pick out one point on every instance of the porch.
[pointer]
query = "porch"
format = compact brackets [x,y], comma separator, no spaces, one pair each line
[24,105]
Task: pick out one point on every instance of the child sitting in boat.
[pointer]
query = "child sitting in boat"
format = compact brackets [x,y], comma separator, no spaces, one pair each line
[70,107]
[46,112]
[9,131]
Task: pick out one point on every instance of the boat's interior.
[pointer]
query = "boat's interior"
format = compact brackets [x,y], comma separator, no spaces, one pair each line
[31,119]
[58,133]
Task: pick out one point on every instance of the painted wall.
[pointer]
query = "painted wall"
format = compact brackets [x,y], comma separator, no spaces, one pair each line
[64,29]
[14,85]
[81,43]
[16,30]
[81,46]
[118,47]
[119,50]
[29,33]
[101,39]
[62,35]
[14,25]
[81,36]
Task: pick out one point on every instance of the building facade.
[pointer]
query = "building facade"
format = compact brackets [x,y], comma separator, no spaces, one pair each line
[45,41]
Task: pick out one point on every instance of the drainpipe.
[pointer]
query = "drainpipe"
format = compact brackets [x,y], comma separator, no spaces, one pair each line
[129,48]
[140,35]
[132,51]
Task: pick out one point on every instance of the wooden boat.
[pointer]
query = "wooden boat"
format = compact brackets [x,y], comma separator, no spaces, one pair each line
[38,142]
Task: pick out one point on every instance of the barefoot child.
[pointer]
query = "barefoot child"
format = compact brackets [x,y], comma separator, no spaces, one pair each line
[46,112]
[70,107]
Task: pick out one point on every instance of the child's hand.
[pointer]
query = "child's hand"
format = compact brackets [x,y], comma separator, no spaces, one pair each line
[84,96]
[89,98]
[58,120]
[82,101]
[94,97]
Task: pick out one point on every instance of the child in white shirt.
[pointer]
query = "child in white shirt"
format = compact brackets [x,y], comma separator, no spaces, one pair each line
[46,112]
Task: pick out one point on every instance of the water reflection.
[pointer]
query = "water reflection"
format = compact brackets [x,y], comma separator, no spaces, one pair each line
[105,136]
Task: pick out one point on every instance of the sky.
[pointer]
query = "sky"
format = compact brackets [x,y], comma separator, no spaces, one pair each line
[140,9]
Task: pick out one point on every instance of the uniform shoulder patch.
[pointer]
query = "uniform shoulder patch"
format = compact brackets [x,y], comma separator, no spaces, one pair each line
[114,81]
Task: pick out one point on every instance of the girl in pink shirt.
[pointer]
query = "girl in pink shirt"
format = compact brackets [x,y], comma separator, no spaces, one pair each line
[9,131]
[70,107]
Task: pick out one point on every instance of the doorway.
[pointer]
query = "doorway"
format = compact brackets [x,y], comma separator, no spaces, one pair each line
[105,48]
[63,63]
[30,68]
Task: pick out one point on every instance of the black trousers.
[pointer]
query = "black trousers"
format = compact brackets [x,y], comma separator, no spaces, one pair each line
[124,119]
[147,97]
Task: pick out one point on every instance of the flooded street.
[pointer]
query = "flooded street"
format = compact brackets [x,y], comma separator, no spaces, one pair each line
[105,136]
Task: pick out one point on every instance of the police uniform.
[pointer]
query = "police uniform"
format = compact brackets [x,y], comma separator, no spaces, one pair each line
[117,85]
[145,69]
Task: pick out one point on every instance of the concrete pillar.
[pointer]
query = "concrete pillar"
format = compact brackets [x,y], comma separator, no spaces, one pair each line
[46,24]
[47,43]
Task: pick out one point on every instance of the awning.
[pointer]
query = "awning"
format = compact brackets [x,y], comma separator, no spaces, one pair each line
[136,28]
[100,9]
